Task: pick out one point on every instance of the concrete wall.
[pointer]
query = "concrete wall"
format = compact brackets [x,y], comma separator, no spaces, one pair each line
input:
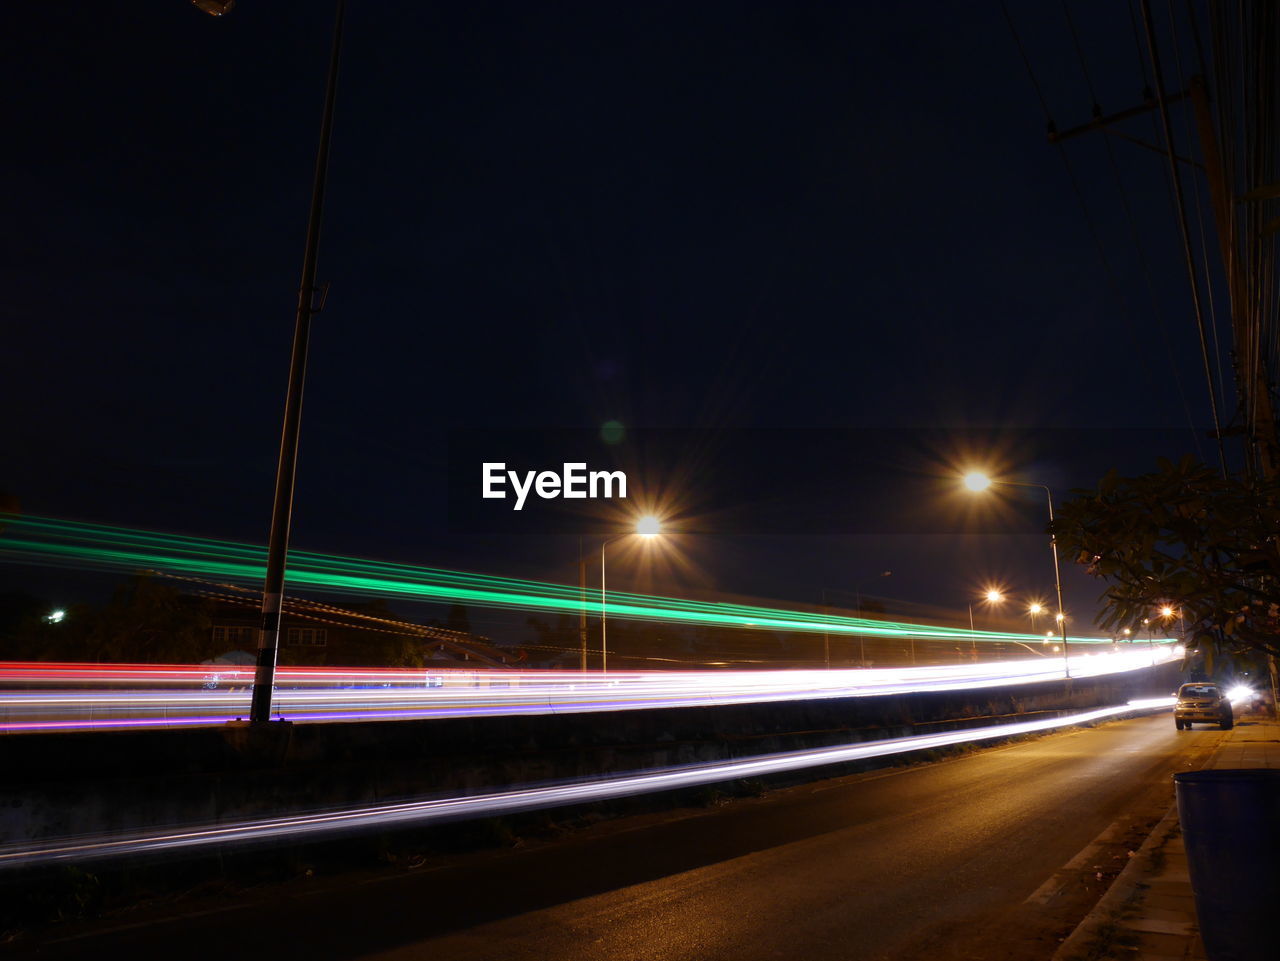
[82,783]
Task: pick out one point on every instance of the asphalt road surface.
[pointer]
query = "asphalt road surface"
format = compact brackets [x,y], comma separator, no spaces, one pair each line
[995,855]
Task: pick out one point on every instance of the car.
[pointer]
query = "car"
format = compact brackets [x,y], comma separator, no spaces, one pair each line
[1202,703]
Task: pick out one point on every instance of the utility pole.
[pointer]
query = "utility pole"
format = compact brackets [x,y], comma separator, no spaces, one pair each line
[286,466]
[1252,381]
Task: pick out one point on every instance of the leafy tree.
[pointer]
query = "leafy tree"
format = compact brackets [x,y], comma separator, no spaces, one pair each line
[148,620]
[1186,537]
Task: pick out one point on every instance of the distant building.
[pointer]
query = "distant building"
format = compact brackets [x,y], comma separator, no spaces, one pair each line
[355,634]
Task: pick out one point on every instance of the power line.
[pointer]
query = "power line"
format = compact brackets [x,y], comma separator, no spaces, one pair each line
[1134,233]
[1182,227]
[1199,206]
[1094,233]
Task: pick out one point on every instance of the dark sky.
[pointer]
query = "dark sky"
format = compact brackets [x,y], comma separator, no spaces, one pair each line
[800,216]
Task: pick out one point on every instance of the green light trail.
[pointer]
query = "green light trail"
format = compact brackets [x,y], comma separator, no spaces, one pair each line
[44,540]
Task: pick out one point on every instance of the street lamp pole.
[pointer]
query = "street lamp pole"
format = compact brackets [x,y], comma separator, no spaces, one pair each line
[286,466]
[604,640]
[647,526]
[582,615]
[1057,584]
[978,482]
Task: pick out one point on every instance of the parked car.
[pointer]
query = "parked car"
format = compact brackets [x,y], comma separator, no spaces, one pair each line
[1202,703]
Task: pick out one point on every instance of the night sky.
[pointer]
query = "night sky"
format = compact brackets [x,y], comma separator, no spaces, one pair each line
[808,218]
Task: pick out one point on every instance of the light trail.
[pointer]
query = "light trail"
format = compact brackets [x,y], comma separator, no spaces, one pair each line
[316,695]
[50,541]
[493,804]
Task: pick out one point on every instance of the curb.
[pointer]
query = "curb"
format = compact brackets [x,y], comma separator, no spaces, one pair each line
[1127,884]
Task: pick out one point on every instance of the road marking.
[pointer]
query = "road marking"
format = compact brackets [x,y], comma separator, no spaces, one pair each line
[1053,887]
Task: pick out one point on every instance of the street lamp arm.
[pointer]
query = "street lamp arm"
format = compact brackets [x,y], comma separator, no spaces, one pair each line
[1057,569]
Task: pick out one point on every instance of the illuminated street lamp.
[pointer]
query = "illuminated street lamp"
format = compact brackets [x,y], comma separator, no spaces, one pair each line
[1168,613]
[647,526]
[992,596]
[977,481]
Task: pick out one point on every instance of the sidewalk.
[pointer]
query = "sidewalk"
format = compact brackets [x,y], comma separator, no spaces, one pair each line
[1148,913]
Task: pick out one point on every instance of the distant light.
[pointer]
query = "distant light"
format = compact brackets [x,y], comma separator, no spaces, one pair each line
[55,617]
[648,526]
[1048,633]
[1035,609]
[1060,617]
[1126,631]
[1179,650]
[977,481]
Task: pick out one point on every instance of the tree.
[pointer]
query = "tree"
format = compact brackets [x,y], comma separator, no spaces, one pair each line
[1188,538]
[148,620]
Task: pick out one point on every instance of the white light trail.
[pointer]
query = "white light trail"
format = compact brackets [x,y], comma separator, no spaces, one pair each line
[320,695]
[522,799]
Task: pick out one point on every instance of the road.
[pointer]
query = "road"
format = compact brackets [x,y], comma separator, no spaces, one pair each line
[992,855]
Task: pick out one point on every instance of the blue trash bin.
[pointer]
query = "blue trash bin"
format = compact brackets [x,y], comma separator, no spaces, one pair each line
[1231,829]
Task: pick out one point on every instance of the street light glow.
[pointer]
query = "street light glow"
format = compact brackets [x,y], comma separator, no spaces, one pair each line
[977,481]
[1166,611]
[648,526]
[994,597]
[1035,609]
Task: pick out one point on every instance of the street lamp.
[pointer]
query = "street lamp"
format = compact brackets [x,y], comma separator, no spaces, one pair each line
[992,596]
[287,463]
[1034,610]
[977,481]
[647,526]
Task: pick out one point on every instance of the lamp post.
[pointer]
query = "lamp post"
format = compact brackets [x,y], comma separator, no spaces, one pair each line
[286,465]
[645,527]
[1034,611]
[992,596]
[979,482]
